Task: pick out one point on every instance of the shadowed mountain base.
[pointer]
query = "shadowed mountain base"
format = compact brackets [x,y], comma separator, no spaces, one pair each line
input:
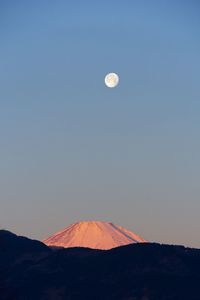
[31,270]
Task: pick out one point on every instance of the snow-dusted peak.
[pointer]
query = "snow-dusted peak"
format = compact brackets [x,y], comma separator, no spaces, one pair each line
[93,234]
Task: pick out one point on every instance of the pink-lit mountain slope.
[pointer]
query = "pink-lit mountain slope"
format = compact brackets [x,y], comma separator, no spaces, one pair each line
[93,234]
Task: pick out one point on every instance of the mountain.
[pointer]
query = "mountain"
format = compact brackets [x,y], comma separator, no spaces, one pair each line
[140,271]
[13,247]
[93,234]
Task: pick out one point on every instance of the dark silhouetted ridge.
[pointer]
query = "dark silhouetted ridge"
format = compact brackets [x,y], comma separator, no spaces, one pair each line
[141,271]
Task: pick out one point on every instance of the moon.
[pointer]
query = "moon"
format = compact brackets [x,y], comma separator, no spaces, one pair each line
[111,80]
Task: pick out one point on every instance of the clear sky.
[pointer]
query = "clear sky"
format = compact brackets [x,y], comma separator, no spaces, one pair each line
[72,149]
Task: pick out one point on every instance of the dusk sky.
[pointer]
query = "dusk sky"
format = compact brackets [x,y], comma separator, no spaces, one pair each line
[72,149]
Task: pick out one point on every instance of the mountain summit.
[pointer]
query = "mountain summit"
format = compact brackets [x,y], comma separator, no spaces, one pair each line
[93,234]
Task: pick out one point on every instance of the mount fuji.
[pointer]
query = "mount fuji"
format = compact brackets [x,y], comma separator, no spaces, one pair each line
[93,234]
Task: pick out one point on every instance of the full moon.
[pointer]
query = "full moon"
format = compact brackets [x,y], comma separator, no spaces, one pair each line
[111,80]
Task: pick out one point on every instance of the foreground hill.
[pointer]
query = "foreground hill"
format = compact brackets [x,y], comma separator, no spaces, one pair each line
[93,234]
[135,272]
[14,248]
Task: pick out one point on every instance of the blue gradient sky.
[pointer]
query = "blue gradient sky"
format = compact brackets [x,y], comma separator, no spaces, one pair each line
[72,149]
